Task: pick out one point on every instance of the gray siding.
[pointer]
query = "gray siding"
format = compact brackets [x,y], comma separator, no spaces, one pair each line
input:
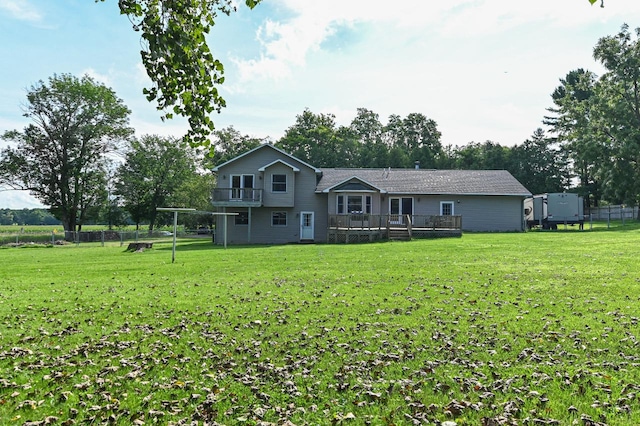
[485,213]
[300,190]
[491,213]
[278,199]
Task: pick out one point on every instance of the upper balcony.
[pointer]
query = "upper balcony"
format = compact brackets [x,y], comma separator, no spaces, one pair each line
[237,197]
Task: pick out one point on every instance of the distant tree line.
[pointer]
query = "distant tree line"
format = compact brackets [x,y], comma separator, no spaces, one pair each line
[27,217]
[538,163]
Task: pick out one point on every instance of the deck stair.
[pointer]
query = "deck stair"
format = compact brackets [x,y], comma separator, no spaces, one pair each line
[399,234]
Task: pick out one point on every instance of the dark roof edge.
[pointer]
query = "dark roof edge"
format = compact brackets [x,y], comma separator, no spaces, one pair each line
[261,146]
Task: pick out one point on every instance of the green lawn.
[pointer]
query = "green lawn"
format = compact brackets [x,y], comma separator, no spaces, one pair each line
[487,329]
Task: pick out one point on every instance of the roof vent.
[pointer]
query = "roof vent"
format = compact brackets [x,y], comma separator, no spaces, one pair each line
[417,163]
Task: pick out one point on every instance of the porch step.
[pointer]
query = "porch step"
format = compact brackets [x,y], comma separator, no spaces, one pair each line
[401,234]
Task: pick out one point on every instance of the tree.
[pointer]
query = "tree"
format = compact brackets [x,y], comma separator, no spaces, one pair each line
[154,169]
[59,158]
[368,132]
[540,165]
[411,139]
[177,58]
[111,212]
[228,143]
[195,192]
[476,156]
[315,139]
[619,107]
[576,123]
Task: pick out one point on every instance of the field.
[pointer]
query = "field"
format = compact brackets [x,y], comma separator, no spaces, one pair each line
[489,329]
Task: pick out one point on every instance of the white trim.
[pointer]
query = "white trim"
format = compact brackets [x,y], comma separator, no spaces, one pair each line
[313,230]
[359,191]
[400,197]
[451,194]
[242,184]
[382,191]
[242,175]
[345,202]
[286,183]
[453,204]
[263,168]
[315,169]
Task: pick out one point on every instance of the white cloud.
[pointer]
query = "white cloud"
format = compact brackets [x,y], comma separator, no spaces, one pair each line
[105,79]
[18,200]
[287,44]
[21,9]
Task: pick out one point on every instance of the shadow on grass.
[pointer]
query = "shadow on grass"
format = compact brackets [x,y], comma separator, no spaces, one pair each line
[200,245]
[599,226]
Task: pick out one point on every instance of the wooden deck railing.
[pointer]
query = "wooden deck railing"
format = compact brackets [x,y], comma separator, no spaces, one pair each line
[371,221]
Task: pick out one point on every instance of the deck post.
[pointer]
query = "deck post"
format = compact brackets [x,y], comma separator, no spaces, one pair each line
[249,226]
[224,210]
[388,221]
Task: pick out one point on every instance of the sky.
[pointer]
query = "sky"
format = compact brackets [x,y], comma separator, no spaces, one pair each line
[483,70]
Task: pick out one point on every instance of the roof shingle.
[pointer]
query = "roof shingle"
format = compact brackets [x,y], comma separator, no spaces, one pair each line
[427,181]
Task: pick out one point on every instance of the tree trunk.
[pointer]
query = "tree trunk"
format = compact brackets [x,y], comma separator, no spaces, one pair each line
[69,225]
[152,221]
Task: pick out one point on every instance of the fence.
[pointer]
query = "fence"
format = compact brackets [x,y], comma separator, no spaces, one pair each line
[57,238]
[613,213]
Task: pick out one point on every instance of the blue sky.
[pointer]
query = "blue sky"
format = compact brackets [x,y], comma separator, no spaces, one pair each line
[482,69]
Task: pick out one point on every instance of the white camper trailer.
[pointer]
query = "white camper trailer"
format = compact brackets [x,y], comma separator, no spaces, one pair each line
[550,210]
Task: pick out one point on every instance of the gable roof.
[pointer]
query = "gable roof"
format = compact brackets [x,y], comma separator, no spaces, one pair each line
[344,184]
[429,182]
[266,166]
[265,146]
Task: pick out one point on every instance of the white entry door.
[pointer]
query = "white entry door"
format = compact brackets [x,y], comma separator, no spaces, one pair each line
[306,226]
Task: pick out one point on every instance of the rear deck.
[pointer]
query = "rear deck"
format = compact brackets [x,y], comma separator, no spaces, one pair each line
[359,228]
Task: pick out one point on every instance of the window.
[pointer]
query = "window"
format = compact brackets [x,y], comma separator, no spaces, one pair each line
[354,203]
[279,218]
[307,220]
[394,206]
[241,186]
[278,183]
[446,208]
[242,218]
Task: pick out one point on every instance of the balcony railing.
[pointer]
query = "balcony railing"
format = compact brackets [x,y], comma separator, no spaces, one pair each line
[237,195]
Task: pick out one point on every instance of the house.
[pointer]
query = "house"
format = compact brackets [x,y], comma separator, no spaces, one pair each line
[281,199]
